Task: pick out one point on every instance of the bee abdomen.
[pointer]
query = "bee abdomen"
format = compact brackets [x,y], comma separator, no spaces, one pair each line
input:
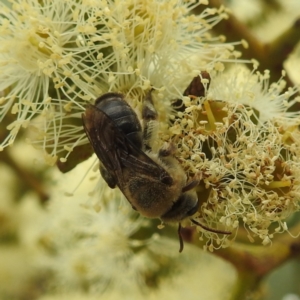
[123,116]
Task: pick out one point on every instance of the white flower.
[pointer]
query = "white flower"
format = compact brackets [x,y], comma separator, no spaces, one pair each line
[242,143]
[99,245]
[57,55]
[99,242]
[254,90]
[95,249]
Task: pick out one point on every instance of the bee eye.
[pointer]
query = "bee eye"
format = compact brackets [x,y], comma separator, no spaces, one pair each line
[192,211]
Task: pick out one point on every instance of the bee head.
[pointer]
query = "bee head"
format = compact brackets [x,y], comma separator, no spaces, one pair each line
[185,206]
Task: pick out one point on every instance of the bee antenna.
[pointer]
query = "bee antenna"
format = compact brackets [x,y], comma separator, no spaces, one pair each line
[210,229]
[190,186]
[181,244]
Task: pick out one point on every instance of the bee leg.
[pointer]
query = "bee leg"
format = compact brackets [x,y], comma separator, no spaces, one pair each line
[181,244]
[167,151]
[149,114]
[190,185]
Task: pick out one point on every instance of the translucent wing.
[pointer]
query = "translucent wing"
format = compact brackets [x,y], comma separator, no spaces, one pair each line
[116,152]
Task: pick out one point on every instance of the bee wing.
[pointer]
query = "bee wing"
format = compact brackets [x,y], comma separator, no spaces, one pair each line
[138,162]
[102,135]
[115,151]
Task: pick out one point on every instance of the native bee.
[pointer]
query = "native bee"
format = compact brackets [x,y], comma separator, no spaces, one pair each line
[154,183]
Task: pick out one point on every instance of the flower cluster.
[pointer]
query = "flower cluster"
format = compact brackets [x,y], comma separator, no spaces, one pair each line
[240,141]
[234,134]
[93,246]
[106,243]
[56,56]
[97,245]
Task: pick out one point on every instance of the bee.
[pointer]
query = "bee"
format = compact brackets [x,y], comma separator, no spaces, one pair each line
[154,183]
